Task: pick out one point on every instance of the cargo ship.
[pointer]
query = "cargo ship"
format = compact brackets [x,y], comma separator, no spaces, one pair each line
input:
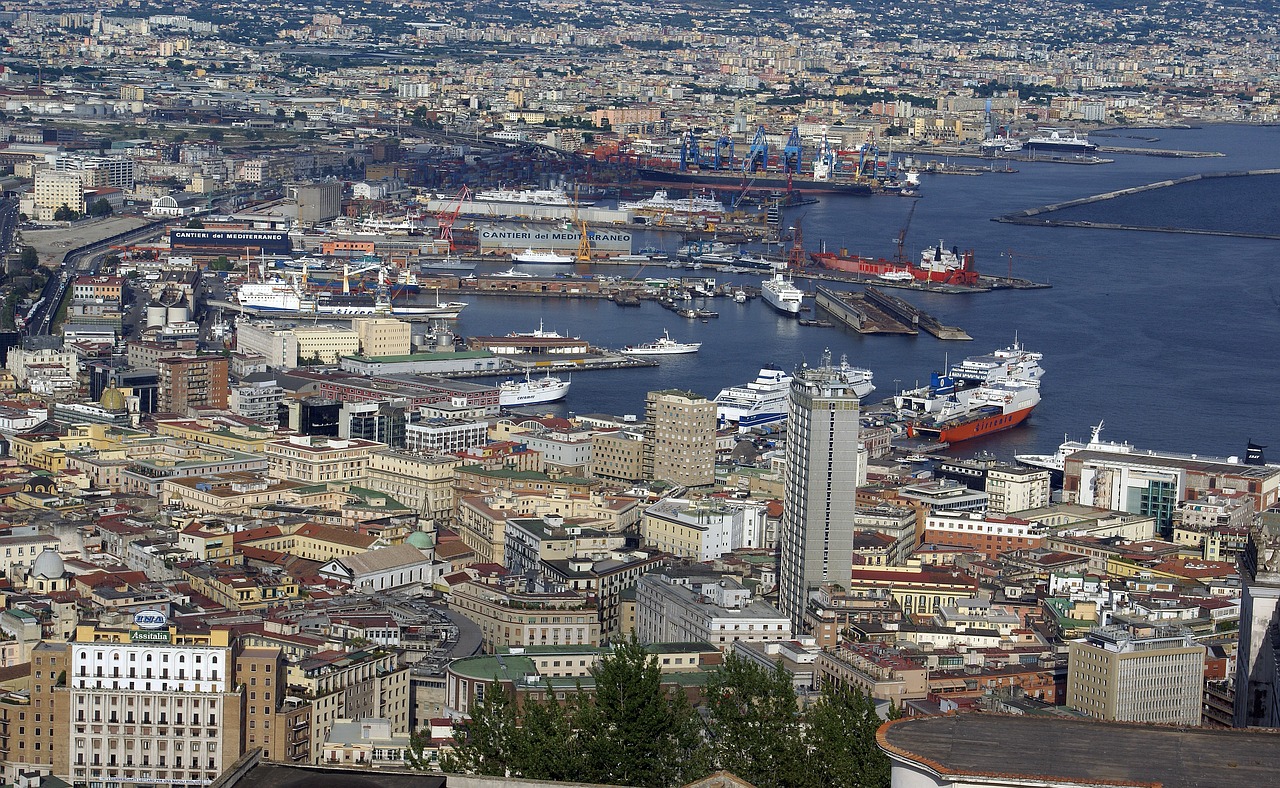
[937,265]
[740,179]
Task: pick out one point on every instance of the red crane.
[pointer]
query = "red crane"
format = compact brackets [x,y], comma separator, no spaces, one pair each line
[449,215]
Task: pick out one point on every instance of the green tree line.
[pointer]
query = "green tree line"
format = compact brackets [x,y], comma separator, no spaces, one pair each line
[633,732]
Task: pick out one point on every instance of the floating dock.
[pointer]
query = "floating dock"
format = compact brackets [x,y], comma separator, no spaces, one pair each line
[913,316]
[854,311]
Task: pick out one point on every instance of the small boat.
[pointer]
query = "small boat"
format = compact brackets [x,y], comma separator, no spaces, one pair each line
[513,273]
[662,346]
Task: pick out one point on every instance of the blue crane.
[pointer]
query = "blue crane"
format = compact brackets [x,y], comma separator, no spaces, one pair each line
[792,152]
[758,156]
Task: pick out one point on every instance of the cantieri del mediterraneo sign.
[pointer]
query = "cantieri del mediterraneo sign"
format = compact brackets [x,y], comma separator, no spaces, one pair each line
[152,627]
[499,237]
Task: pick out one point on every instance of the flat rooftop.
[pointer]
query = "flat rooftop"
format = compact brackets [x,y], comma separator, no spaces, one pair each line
[1059,750]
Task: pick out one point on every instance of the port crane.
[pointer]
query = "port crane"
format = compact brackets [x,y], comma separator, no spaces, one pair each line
[902,233]
[446,218]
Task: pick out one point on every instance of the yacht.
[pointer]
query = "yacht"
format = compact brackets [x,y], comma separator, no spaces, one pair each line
[662,346]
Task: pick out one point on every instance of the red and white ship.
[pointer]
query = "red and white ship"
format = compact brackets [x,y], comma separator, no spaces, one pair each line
[937,264]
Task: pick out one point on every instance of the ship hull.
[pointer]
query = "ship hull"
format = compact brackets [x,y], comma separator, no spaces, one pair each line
[755,180]
[976,428]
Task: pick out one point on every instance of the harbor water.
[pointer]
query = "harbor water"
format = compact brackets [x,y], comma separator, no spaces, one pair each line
[1173,339]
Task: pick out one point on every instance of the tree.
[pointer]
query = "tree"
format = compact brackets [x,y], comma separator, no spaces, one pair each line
[635,733]
[65,214]
[842,741]
[100,209]
[549,747]
[29,259]
[220,263]
[753,724]
[215,135]
[485,744]
[194,223]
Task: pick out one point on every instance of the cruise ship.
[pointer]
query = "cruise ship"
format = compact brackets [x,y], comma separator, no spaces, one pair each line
[1058,142]
[284,297]
[532,391]
[528,197]
[781,294]
[662,202]
[762,401]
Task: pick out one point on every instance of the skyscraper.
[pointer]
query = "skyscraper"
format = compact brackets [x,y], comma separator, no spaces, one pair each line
[821,486]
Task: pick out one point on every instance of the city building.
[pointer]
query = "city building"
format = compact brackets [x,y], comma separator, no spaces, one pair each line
[511,616]
[679,445]
[53,190]
[1137,673]
[191,382]
[618,455]
[677,606]
[1257,679]
[316,460]
[383,336]
[820,494]
[704,529]
[150,703]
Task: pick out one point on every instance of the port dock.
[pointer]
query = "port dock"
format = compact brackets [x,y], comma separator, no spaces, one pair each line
[913,316]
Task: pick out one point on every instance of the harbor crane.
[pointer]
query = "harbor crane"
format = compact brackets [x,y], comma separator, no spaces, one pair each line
[449,215]
[758,155]
[793,153]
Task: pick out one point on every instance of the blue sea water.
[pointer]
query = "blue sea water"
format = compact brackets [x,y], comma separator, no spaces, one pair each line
[1173,339]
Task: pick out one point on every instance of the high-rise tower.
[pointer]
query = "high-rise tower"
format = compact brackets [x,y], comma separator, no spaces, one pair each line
[821,486]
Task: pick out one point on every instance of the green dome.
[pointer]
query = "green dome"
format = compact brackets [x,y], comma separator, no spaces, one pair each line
[420,539]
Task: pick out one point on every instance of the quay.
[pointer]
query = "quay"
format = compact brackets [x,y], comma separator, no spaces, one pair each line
[598,359]
[854,311]
[1171,154]
[913,316]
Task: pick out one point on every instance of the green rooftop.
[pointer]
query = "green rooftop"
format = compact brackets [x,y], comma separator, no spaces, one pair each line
[464,354]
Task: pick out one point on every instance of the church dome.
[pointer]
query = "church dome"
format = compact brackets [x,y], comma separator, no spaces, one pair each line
[48,565]
[419,539]
[112,399]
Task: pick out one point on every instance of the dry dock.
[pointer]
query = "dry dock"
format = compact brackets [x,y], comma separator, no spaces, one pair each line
[853,310]
[913,316]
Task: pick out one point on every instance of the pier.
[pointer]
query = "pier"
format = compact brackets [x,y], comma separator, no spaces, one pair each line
[913,316]
[1040,216]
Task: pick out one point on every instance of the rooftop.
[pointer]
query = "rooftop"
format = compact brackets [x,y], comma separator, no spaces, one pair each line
[1084,751]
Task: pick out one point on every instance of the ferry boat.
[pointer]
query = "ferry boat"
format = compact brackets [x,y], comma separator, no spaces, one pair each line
[1057,461]
[531,391]
[781,294]
[538,257]
[1013,363]
[761,402]
[662,346]
[950,415]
